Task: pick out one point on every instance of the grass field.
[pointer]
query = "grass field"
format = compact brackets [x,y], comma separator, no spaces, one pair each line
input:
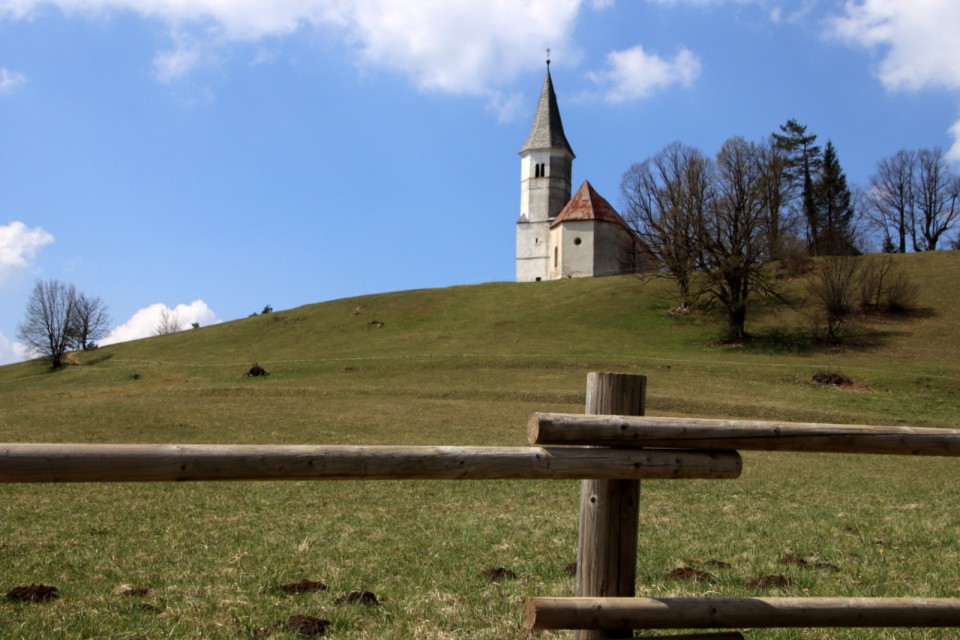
[467,365]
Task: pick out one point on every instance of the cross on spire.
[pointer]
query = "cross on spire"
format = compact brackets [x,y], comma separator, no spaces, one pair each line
[548,56]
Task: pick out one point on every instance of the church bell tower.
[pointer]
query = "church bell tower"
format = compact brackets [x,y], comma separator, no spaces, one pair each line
[546,164]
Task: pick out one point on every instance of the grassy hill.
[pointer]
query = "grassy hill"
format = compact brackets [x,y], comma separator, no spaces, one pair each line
[467,365]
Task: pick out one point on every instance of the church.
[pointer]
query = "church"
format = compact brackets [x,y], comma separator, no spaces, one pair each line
[559,236]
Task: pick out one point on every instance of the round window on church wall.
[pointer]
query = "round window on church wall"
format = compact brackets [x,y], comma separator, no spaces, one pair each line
[577,241]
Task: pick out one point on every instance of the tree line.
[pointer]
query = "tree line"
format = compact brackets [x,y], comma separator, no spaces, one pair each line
[727,226]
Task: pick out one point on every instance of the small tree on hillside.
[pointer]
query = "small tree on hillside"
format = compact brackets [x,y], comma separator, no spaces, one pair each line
[169,323]
[90,322]
[50,314]
[834,289]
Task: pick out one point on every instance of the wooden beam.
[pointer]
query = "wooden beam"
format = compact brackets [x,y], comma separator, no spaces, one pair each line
[723,635]
[609,509]
[740,613]
[180,462]
[691,433]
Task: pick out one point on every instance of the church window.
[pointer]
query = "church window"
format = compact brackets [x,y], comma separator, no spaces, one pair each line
[539,170]
[556,256]
[577,241]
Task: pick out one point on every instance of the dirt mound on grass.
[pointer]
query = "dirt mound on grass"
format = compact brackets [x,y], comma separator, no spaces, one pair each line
[33,593]
[832,378]
[304,586]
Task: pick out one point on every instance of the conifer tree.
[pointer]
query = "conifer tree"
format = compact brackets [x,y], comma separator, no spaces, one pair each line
[834,202]
[802,170]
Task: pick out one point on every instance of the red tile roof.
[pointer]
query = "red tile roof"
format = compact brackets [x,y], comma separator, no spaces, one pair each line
[587,204]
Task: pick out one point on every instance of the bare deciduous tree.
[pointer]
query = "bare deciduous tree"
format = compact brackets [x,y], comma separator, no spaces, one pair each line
[937,192]
[169,323]
[709,221]
[90,322]
[50,311]
[915,194]
[891,199]
[733,245]
[665,197]
[834,288]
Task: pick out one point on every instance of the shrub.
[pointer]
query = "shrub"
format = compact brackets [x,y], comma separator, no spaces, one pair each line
[833,289]
[883,289]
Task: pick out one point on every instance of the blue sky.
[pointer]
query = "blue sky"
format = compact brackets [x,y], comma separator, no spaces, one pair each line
[215,156]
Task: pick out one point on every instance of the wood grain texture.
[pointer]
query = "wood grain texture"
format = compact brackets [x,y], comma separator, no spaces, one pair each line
[191,462]
[742,435]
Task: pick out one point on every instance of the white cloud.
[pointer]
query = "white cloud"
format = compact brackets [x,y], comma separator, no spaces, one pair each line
[18,247]
[456,47]
[953,154]
[919,39]
[11,352]
[461,47]
[633,74]
[10,81]
[185,56]
[6,350]
[144,322]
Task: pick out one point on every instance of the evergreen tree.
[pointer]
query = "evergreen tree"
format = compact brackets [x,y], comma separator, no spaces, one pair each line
[835,210]
[802,170]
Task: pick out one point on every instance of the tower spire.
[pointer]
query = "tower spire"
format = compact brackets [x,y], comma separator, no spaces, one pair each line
[547,129]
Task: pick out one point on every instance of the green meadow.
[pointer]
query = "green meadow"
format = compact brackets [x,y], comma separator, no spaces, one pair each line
[467,366]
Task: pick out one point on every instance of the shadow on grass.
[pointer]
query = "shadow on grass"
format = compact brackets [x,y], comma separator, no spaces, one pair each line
[782,341]
[802,343]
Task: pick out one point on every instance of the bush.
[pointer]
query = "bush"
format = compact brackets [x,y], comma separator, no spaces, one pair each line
[883,289]
[833,288]
[901,294]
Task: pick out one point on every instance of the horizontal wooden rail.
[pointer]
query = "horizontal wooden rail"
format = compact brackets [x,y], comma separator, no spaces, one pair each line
[179,462]
[738,613]
[679,433]
[723,635]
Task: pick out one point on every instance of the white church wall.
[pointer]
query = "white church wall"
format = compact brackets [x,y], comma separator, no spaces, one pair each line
[572,249]
[532,251]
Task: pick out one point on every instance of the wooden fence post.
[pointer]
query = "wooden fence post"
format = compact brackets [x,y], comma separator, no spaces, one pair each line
[609,509]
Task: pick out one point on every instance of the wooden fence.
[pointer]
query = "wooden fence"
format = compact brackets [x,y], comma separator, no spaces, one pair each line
[612,447]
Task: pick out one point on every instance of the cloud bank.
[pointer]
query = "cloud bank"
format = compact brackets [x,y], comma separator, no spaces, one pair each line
[19,245]
[144,322]
[456,47]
